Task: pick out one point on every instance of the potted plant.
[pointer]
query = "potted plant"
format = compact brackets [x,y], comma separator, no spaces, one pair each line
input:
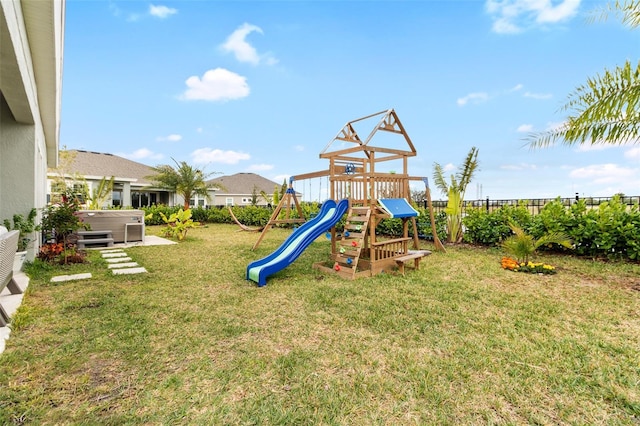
[26,226]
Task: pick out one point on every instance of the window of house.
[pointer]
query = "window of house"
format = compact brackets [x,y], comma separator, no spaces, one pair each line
[116,198]
[58,187]
[139,199]
[229,201]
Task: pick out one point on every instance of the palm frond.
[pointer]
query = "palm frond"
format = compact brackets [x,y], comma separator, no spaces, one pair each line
[466,172]
[438,179]
[606,109]
[559,238]
[628,12]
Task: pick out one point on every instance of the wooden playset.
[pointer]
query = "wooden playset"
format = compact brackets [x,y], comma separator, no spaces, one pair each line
[359,171]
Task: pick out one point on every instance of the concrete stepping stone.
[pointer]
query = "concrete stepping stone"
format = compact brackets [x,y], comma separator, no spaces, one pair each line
[128,271]
[118,259]
[103,251]
[123,265]
[61,278]
[111,255]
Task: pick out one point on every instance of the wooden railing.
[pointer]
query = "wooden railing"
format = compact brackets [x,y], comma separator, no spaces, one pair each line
[389,248]
[363,188]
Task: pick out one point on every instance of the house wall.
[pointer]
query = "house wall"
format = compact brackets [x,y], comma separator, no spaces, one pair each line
[23,165]
[24,98]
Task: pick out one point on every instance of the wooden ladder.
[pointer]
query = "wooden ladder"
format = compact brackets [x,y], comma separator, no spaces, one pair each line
[351,243]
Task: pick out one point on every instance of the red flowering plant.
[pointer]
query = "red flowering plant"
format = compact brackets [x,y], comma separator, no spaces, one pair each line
[59,222]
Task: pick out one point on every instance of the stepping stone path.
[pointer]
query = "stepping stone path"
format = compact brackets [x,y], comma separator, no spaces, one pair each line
[61,278]
[120,263]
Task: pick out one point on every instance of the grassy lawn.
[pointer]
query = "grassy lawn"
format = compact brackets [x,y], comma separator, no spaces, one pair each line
[460,341]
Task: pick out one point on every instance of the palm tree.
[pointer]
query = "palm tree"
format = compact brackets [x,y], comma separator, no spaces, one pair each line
[184,180]
[454,190]
[606,109]
[522,245]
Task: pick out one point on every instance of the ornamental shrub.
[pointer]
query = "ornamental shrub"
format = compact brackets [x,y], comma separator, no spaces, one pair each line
[490,228]
[609,230]
[152,213]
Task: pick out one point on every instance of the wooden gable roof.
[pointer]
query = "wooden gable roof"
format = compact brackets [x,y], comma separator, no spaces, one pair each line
[387,139]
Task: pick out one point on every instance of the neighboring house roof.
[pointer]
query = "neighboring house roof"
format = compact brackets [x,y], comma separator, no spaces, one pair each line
[244,183]
[89,163]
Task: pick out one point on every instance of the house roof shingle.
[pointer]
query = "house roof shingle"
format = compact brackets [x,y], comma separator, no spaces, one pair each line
[90,163]
[243,184]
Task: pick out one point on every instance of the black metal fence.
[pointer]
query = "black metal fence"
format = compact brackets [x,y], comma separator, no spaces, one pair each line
[533,205]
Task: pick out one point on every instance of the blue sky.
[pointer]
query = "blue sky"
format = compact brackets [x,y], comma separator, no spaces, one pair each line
[264,86]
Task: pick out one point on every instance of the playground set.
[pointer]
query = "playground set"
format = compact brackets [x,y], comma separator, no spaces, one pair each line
[366,193]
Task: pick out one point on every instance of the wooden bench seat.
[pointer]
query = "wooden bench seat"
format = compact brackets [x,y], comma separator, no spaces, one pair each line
[415,256]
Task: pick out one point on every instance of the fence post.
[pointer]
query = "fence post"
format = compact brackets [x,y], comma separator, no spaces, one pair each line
[487,205]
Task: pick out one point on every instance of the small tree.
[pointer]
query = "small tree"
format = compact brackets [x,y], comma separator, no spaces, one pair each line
[254,195]
[184,180]
[101,193]
[59,221]
[455,192]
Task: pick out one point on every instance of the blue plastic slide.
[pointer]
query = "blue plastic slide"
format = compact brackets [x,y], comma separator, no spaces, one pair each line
[330,213]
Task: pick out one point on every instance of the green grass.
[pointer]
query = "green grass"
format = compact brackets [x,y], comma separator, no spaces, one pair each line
[460,341]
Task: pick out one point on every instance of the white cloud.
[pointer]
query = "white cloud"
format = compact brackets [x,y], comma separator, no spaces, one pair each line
[298,148]
[216,85]
[476,98]
[537,95]
[633,153]
[161,12]
[260,167]
[521,166]
[555,125]
[169,138]
[603,173]
[141,154]
[281,178]
[558,13]
[448,167]
[133,17]
[237,44]
[514,16]
[525,128]
[588,146]
[516,88]
[208,155]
